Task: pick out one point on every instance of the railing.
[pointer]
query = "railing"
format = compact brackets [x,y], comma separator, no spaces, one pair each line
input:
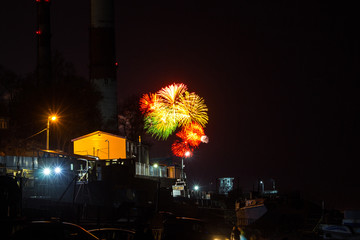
[245,221]
[149,170]
[16,162]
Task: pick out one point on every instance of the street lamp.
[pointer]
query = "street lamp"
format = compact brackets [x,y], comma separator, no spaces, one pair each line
[186,155]
[196,188]
[52,118]
[156,166]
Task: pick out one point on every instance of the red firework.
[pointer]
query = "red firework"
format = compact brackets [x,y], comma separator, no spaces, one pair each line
[148,103]
[192,134]
[181,149]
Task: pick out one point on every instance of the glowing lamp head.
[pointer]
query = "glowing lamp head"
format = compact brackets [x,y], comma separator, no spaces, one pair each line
[46,171]
[52,118]
[156,165]
[57,170]
[196,187]
[187,154]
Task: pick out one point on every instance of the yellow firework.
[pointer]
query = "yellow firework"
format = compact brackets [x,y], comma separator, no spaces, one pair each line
[171,107]
[170,95]
[160,123]
[192,108]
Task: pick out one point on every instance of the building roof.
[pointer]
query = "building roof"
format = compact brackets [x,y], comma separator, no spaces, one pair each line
[94,133]
[69,155]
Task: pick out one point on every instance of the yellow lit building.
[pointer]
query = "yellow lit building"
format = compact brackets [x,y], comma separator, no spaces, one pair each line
[106,146]
[102,145]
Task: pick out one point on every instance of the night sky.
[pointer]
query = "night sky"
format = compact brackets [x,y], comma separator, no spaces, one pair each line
[280,81]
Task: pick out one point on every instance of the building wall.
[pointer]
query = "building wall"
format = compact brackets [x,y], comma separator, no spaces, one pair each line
[173,172]
[101,145]
[4,123]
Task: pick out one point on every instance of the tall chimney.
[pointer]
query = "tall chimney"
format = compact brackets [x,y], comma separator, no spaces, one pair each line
[102,60]
[43,44]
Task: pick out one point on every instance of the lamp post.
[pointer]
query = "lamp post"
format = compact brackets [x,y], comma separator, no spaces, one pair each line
[196,188]
[187,154]
[156,166]
[108,148]
[156,169]
[52,118]
[182,177]
[182,169]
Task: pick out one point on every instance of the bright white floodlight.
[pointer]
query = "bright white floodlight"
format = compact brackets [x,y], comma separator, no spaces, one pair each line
[57,170]
[196,187]
[46,171]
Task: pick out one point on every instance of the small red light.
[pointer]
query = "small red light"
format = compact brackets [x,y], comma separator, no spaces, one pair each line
[116,64]
[38,32]
[38,0]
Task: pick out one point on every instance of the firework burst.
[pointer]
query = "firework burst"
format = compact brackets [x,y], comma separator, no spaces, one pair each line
[171,94]
[172,107]
[192,134]
[181,149]
[160,124]
[149,103]
[192,108]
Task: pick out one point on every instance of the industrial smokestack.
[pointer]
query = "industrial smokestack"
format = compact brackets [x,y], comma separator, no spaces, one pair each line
[102,60]
[43,44]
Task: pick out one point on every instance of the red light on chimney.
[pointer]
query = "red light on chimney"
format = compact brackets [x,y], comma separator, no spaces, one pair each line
[38,32]
[116,64]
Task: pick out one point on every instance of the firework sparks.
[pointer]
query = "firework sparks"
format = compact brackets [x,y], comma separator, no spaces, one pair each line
[204,139]
[148,103]
[181,149]
[160,124]
[192,134]
[192,108]
[171,94]
[172,107]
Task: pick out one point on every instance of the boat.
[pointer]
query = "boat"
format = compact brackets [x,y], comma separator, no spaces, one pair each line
[349,229]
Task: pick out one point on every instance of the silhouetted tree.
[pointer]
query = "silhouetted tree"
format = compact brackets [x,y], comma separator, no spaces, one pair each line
[70,96]
[131,120]
[9,85]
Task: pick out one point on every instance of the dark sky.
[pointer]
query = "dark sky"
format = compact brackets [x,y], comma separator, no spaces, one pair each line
[280,81]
